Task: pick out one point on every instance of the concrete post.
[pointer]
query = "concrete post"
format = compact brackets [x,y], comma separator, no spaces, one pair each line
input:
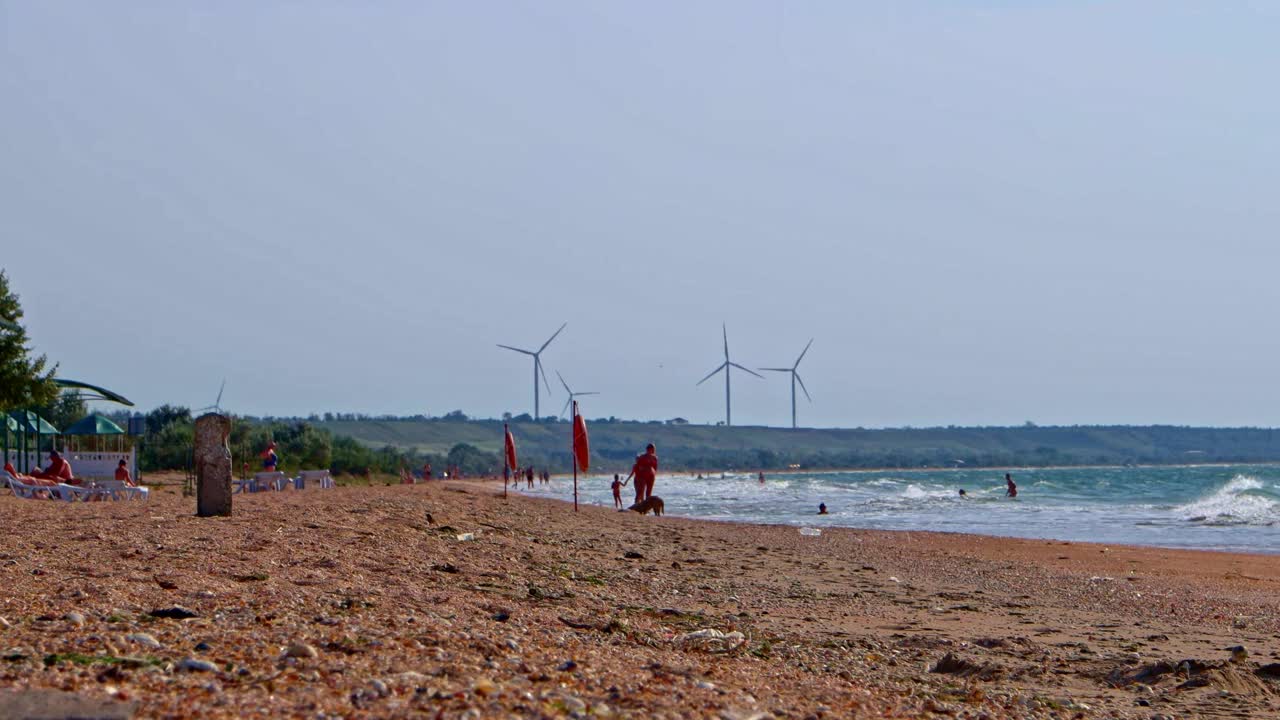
[213,465]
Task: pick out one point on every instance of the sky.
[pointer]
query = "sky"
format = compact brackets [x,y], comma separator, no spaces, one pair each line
[983,213]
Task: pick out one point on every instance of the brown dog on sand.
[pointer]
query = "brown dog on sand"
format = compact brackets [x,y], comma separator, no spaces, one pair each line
[653,502]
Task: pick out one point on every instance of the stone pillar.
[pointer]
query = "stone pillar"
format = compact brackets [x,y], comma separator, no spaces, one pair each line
[213,465]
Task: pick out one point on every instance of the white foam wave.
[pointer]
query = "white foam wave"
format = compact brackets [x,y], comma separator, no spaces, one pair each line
[1232,504]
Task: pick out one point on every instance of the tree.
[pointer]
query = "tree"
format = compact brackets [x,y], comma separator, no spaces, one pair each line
[24,382]
[166,415]
[64,410]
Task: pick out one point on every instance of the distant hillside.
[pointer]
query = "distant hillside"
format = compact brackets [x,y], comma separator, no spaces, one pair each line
[614,444]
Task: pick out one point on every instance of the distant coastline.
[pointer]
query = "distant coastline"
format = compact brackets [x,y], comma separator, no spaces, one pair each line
[706,448]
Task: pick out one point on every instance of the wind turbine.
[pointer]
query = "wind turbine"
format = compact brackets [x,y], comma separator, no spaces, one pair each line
[572,394]
[217,404]
[725,367]
[537,367]
[795,377]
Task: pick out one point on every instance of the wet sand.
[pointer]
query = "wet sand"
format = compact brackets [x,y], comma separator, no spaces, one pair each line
[364,602]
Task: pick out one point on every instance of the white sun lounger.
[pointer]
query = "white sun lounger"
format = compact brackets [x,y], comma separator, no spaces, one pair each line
[117,489]
[21,489]
[71,493]
[319,477]
[274,480]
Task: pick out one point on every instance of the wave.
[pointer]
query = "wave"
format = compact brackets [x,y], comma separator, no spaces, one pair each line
[1243,500]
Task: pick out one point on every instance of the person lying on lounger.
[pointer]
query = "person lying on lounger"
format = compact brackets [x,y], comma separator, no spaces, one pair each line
[28,479]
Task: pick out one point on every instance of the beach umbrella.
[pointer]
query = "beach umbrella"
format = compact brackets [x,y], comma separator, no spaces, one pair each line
[509,455]
[581,450]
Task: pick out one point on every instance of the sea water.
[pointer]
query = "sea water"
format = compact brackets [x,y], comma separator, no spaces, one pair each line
[1209,507]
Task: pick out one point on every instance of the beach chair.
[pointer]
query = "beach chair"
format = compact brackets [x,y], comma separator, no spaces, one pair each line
[320,477]
[274,480]
[71,493]
[118,489]
[21,489]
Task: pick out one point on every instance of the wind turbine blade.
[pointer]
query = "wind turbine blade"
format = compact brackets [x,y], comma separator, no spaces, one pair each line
[713,372]
[538,361]
[753,372]
[806,349]
[553,337]
[218,402]
[592,392]
[526,352]
[565,409]
[565,384]
[777,369]
[802,387]
[725,329]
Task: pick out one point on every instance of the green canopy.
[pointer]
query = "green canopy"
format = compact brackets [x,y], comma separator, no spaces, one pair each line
[95,424]
[29,422]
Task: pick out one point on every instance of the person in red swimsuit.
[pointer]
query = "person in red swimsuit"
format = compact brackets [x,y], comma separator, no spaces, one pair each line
[645,471]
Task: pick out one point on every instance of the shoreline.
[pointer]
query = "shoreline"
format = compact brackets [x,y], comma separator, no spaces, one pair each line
[370,602]
[826,525]
[942,534]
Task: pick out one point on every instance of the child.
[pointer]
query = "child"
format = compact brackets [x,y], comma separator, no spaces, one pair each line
[617,491]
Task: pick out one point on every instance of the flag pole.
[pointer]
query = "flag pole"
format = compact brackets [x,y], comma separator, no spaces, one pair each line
[506,462]
[574,451]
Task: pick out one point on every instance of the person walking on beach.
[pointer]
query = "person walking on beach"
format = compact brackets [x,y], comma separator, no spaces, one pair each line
[646,472]
[617,492]
[1012,486]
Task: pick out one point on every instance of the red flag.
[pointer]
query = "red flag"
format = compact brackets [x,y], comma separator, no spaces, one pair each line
[511,449]
[581,449]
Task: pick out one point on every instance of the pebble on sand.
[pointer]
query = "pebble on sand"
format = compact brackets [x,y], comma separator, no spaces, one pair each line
[300,650]
[194,665]
[144,639]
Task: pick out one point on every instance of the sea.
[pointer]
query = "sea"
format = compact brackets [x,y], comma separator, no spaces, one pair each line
[1211,507]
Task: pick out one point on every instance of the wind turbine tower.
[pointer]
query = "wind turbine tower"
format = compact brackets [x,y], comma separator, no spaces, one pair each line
[795,378]
[572,394]
[728,417]
[537,366]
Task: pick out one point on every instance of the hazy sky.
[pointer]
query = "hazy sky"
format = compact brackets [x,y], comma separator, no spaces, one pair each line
[984,212]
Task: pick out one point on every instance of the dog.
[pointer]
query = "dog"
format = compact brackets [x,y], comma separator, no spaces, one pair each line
[653,502]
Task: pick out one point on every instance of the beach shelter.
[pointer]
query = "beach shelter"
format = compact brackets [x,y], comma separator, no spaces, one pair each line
[95,426]
[10,428]
[30,423]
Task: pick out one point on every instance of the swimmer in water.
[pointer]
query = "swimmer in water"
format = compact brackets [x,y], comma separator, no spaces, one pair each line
[963,493]
[822,508]
[1012,490]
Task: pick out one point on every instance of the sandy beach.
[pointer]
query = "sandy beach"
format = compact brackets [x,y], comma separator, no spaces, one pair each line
[365,602]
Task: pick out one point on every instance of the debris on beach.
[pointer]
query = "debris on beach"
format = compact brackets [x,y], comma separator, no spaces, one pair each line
[710,640]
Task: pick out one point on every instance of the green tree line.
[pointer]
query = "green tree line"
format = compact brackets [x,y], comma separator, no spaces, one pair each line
[300,445]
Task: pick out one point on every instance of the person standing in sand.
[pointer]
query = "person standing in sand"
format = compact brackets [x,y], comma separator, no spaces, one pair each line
[1012,487]
[269,458]
[617,491]
[646,472]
